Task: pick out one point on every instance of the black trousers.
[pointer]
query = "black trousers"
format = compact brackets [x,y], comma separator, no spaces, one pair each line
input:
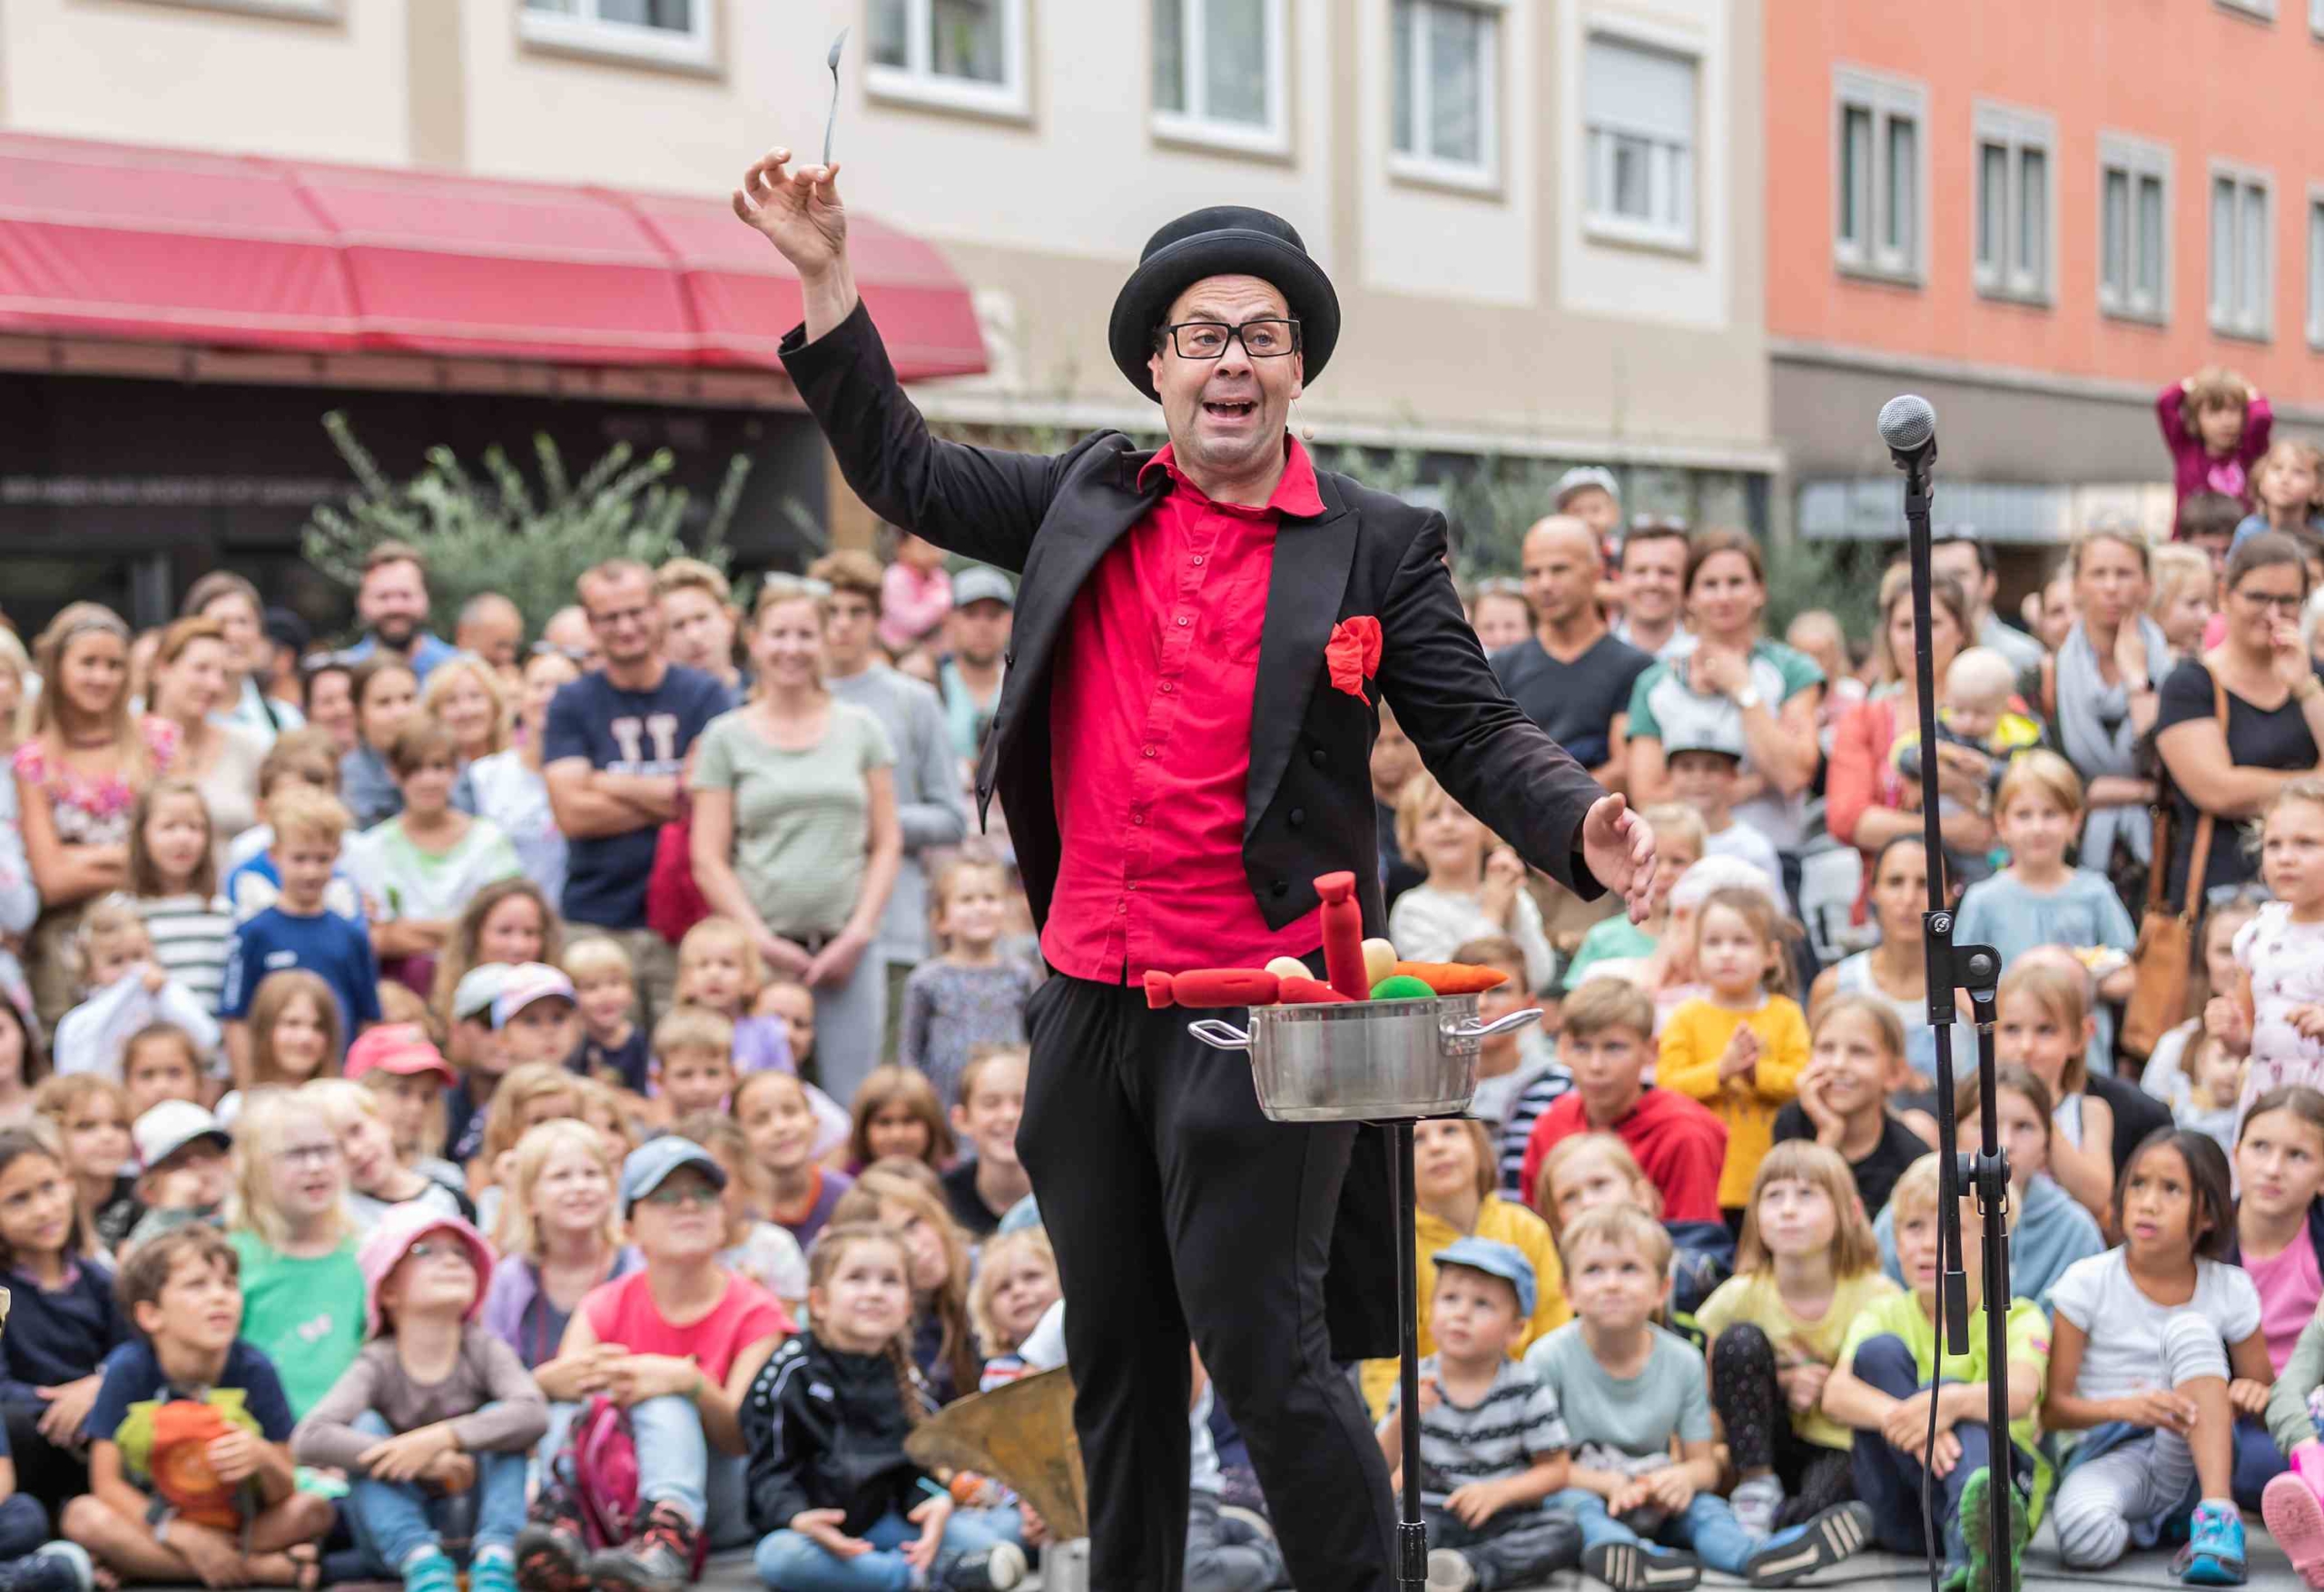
[52,1476]
[1175,1208]
[1750,1402]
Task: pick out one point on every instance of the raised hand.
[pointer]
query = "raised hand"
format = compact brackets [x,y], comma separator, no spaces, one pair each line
[798,212]
[1617,847]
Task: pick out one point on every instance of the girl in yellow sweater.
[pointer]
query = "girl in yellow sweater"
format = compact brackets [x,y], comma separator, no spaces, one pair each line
[1740,1049]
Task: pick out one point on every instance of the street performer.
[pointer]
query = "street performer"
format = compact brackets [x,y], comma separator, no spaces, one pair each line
[1203,636]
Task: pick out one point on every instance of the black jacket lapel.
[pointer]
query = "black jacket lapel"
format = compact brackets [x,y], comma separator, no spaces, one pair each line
[1312,560]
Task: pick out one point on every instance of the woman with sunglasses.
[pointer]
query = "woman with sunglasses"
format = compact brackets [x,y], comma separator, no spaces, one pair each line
[2274,715]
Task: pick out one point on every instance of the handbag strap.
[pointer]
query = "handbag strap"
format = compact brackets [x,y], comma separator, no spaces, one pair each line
[2199,859]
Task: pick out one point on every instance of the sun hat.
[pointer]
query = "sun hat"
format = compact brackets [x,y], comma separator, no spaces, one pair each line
[523,985]
[1221,239]
[397,1047]
[403,1226]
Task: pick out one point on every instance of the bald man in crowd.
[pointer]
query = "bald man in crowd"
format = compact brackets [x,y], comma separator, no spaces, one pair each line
[1570,676]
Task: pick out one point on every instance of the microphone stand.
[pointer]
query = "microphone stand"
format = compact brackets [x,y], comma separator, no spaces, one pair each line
[1976,969]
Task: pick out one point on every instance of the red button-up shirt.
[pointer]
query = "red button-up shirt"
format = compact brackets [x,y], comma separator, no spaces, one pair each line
[1150,727]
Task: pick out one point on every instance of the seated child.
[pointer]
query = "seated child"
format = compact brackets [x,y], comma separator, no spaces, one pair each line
[377,1181]
[779,1121]
[187,1173]
[1607,1045]
[720,967]
[299,929]
[981,1189]
[830,1491]
[795,1004]
[128,991]
[537,1015]
[1806,1268]
[407,1078]
[1628,1389]
[478,1055]
[159,1063]
[189,1477]
[1015,1285]
[605,986]
[751,1246]
[434,1399]
[532,1093]
[88,1116]
[1887,1375]
[1705,762]
[1492,1442]
[305,758]
[2140,1367]
[896,1112]
[1680,841]
[694,1061]
[1856,1060]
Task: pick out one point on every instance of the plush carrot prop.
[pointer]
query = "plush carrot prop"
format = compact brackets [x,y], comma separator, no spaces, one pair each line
[1213,987]
[1304,991]
[1343,935]
[1454,978]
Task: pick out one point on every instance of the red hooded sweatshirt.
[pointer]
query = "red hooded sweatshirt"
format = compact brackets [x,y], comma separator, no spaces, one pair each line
[1678,1144]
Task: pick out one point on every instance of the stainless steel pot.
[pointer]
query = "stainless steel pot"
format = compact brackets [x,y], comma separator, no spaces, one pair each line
[1362,1061]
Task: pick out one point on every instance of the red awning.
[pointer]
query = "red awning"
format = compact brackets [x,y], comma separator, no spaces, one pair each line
[242,252]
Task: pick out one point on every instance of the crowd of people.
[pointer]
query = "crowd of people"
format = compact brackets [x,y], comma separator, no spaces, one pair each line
[414,1055]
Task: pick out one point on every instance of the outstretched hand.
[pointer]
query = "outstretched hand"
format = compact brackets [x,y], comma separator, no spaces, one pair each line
[1618,847]
[798,212]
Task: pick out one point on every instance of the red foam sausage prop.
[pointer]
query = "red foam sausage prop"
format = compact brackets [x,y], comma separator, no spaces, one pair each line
[1213,987]
[1309,992]
[1343,935]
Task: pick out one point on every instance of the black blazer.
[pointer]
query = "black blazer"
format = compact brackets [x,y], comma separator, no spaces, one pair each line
[1309,804]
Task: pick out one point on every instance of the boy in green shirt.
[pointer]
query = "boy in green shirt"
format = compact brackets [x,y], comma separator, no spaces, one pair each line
[1887,1375]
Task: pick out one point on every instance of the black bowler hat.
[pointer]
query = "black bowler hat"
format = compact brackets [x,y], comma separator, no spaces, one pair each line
[1223,239]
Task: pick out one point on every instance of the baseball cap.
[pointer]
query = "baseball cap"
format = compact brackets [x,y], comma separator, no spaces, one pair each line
[286,629]
[479,986]
[1719,733]
[404,1226]
[523,985]
[1583,476]
[1495,1259]
[169,1126]
[978,584]
[396,1047]
[650,1165]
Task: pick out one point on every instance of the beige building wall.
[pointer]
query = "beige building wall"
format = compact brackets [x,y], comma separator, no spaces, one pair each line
[1477,316]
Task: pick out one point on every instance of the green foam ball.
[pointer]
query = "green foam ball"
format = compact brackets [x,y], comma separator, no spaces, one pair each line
[1402,987]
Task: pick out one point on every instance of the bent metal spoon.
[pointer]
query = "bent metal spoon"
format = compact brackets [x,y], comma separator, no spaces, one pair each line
[830,121]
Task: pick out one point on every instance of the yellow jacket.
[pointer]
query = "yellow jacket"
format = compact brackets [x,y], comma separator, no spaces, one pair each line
[1497,1218]
[1694,1039]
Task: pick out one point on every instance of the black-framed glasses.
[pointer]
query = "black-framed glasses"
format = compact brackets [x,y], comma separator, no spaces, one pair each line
[1265,338]
[2281,601]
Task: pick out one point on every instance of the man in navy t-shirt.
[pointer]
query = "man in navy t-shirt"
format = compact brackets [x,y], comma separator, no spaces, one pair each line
[613,753]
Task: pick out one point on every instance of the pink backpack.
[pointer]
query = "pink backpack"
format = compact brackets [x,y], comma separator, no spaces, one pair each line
[600,1457]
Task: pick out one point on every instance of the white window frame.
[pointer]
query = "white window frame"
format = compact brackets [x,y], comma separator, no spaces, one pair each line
[2016,131]
[2315,216]
[587,34]
[2264,329]
[916,83]
[1193,124]
[1604,226]
[2316,17]
[2137,158]
[1486,174]
[2258,10]
[1885,99]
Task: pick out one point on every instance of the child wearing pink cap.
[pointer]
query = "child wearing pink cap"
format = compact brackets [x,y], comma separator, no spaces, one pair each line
[434,1404]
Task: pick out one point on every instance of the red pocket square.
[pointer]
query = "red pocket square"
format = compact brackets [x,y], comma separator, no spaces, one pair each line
[1353,653]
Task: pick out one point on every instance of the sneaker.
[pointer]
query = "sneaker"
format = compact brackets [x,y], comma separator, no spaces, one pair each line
[1449,1572]
[56,1567]
[1976,1529]
[428,1571]
[492,1571]
[659,1556]
[551,1554]
[1756,1501]
[2295,1518]
[2213,1556]
[1640,1566]
[984,1570]
[1826,1541]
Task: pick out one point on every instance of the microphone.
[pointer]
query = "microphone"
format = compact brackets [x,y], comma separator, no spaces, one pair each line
[1909,426]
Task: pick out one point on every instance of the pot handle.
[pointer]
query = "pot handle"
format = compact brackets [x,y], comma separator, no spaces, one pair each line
[1469,1028]
[1220,1035]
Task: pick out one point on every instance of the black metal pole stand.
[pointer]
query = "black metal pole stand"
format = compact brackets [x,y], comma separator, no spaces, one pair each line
[1412,1531]
[1976,969]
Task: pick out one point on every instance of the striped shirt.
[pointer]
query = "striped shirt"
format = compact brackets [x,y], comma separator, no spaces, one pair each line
[190,935]
[1494,1438]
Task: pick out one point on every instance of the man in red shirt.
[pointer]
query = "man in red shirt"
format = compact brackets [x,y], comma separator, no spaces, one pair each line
[1606,1041]
[1204,637]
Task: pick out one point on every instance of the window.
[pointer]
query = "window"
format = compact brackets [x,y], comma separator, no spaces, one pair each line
[2264,9]
[2316,17]
[2133,228]
[2243,267]
[1877,176]
[672,31]
[1218,73]
[2013,253]
[1442,56]
[2316,268]
[1638,118]
[966,54]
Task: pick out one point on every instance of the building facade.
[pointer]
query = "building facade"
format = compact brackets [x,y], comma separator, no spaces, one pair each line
[2035,216]
[1544,221]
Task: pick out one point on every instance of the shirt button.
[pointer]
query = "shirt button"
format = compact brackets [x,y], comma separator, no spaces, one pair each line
[1167,688]
[1133,886]
[1121,906]
[1137,818]
[1316,757]
[1184,621]
[1298,816]
[1280,888]
[1197,559]
[1149,752]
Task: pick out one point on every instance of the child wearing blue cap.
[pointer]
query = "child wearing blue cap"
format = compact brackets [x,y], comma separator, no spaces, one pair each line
[1492,1444]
